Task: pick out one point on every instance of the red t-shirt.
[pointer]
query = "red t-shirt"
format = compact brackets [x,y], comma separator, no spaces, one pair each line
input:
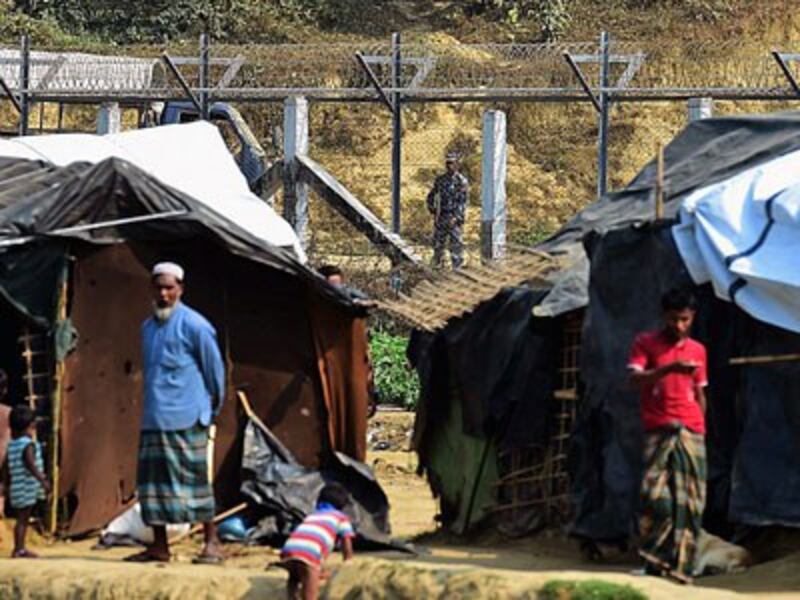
[671,398]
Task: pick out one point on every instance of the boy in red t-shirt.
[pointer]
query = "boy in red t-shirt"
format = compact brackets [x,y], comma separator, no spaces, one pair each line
[669,368]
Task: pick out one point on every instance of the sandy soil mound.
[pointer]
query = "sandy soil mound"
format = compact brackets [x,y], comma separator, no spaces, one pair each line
[481,566]
[86,578]
[371,579]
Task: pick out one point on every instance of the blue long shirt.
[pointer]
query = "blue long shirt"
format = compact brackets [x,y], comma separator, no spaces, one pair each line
[183,371]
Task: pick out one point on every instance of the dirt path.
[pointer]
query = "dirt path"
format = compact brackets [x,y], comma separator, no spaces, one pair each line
[445,568]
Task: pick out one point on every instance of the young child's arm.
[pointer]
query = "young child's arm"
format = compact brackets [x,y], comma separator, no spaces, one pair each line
[347,548]
[29,457]
[346,535]
[5,477]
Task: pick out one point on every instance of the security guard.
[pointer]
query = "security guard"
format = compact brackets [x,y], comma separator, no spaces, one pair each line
[447,202]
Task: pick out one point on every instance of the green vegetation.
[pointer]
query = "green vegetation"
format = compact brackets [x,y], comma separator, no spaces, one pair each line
[160,21]
[591,589]
[553,16]
[395,381]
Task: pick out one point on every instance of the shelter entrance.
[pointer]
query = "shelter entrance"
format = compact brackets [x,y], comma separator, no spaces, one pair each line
[26,355]
[533,487]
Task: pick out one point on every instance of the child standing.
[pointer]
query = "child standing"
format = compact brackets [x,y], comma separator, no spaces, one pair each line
[310,544]
[25,470]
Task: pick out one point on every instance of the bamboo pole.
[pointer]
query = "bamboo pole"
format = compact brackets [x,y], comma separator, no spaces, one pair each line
[251,414]
[55,470]
[27,354]
[760,360]
[659,182]
[220,517]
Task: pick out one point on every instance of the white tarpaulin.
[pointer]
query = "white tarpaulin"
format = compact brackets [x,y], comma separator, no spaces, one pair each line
[191,158]
[743,236]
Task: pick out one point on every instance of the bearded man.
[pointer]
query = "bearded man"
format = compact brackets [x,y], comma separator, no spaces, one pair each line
[184,384]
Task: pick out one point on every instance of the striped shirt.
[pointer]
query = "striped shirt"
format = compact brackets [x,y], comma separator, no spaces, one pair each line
[25,488]
[316,536]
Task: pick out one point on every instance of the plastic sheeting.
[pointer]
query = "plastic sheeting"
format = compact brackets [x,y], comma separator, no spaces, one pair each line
[634,261]
[83,195]
[704,153]
[486,384]
[743,236]
[285,492]
[753,418]
[191,158]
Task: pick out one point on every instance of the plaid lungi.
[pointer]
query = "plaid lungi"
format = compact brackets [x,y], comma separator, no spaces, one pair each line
[673,499]
[172,478]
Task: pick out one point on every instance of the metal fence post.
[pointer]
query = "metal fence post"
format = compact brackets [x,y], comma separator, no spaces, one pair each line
[493,185]
[295,141]
[203,78]
[700,108]
[602,139]
[24,83]
[397,131]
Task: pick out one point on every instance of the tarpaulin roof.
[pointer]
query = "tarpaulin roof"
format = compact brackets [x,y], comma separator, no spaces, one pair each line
[43,199]
[725,171]
[705,152]
[743,236]
[191,158]
[633,261]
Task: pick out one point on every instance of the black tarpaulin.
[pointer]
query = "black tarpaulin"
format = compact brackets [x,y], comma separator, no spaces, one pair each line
[284,491]
[487,384]
[633,261]
[501,360]
[753,418]
[705,152]
[82,194]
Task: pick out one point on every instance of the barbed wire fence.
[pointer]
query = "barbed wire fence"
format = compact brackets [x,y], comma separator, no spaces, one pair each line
[445,87]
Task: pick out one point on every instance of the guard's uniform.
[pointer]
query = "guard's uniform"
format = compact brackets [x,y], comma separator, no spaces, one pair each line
[447,202]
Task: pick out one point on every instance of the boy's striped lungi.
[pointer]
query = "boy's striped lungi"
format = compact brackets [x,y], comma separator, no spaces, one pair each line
[673,499]
[172,479]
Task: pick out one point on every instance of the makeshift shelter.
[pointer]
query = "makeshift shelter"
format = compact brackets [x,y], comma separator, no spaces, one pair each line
[492,380]
[76,244]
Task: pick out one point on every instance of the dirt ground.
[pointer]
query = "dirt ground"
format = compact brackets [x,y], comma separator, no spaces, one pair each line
[444,568]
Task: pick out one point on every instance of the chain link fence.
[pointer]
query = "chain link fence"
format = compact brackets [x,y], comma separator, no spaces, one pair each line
[447,86]
[429,69]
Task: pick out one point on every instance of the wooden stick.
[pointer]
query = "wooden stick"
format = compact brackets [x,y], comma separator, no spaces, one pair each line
[56,399]
[248,409]
[221,516]
[768,358]
[660,183]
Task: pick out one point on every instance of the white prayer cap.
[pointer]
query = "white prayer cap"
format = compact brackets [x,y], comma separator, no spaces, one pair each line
[168,268]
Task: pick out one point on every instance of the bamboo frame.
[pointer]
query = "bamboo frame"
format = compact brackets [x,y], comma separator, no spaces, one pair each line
[766,359]
[537,475]
[659,182]
[432,303]
[55,471]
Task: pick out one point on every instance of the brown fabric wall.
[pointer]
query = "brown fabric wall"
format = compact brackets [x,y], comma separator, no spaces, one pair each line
[264,320]
[102,387]
[342,360]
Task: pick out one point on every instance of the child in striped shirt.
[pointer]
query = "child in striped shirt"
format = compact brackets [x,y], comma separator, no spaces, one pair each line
[24,469]
[310,544]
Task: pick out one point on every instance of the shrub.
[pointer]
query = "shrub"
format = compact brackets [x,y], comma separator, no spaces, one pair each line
[552,16]
[395,381]
[591,589]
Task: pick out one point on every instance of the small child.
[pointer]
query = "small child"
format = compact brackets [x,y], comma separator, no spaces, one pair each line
[25,471]
[310,544]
